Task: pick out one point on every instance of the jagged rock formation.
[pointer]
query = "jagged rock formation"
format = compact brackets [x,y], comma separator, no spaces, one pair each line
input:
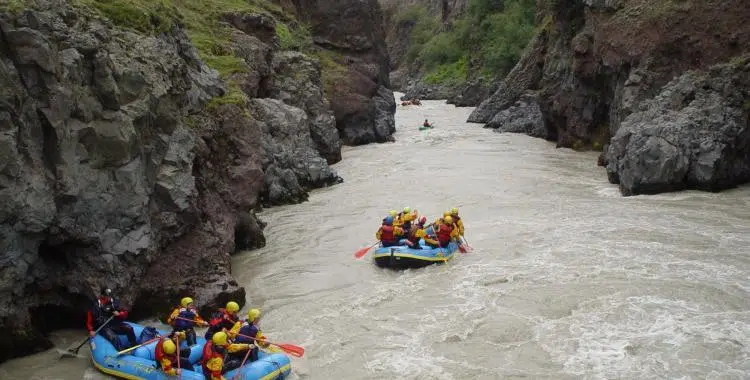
[593,63]
[694,134]
[125,160]
[361,99]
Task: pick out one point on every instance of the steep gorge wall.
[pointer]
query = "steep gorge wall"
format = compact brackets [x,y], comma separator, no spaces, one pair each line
[126,160]
[361,98]
[597,66]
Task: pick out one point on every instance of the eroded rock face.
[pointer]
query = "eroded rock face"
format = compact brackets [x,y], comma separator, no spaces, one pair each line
[595,61]
[361,101]
[97,169]
[297,83]
[695,133]
[113,169]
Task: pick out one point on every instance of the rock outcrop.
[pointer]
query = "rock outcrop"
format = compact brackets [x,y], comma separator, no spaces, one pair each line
[126,160]
[594,62]
[694,134]
[360,98]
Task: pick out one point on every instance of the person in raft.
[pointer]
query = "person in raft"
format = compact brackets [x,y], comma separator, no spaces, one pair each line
[107,306]
[457,221]
[167,358]
[223,320]
[426,124]
[393,214]
[184,318]
[214,353]
[446,231]
[249,332]
[388,233]
[405,218]
[419,231]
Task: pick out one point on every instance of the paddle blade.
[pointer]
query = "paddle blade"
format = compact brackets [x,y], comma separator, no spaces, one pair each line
[292,349]
[462,249]
[362,252]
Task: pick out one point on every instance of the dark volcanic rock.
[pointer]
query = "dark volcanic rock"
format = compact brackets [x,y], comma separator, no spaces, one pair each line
[694,134]
[594,63]
[361,101]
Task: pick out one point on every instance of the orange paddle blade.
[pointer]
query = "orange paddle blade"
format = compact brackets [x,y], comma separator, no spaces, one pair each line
[291,349]
[363,251]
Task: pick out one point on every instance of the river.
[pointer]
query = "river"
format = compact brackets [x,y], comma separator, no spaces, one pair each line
[567,279]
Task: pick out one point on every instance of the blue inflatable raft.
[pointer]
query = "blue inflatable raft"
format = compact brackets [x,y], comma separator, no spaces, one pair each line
[403,257]
[141,364]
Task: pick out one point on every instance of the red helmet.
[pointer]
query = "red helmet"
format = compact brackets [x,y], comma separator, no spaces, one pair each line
[422,220]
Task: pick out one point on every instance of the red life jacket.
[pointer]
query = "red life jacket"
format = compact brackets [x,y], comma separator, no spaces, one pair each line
[386,234]
[209,352]
[444,233]
[160,354]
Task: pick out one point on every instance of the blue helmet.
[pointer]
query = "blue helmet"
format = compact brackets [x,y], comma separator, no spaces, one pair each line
[388,220]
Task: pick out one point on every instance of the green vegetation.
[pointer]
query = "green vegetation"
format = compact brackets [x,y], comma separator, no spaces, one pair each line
[200,18]
[12,5]
[298,38]
[492,33]
[332,70]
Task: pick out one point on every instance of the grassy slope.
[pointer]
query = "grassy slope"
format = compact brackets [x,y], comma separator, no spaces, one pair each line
[201,20]
[491,34]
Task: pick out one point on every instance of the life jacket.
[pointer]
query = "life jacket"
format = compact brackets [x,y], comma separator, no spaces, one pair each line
[186,313]
[220,320]
[444,233]
[160,354]
[103,309]
[413,234]
[387,234]
[247,329]
[211,351]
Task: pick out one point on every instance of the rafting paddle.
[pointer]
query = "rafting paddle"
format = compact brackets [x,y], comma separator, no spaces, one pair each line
[74,352]
[363,251]
[288,348]
[140,345]
[239,370]
[179,358]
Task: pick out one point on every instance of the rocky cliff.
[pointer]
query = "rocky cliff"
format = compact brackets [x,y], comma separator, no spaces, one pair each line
[644,73]
[127,159]
[353,36]
[399,28]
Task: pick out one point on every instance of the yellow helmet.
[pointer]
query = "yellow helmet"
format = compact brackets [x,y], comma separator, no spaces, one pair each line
[169,347]
[232,307]
[393,213]
[220,338]
[186,301]
[448,220]
[253,314]
[407,210]
[454,211]
[447,213]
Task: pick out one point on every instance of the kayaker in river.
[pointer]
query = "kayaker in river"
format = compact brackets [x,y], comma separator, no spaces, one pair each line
[167,356]
[224,319]
[426,124]
[106,306]
[184,318]
[248,331]
[214,352]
